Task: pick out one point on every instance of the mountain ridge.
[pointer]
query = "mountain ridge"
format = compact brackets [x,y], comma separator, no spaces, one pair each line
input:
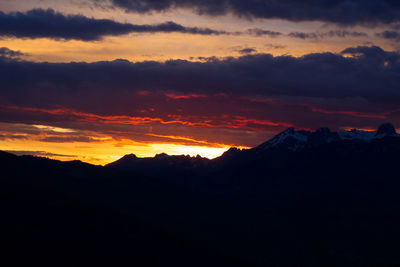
[289,139]
[294,140]
[328,204]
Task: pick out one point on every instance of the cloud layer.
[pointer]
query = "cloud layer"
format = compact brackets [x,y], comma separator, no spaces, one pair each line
[40,23]
[358,88]
[373,74]
[348,12]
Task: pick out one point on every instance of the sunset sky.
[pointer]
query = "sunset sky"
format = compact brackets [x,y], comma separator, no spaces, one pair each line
[97,79]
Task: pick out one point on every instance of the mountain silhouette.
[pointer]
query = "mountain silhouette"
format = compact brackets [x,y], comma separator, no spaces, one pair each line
[302,198]
[287,143]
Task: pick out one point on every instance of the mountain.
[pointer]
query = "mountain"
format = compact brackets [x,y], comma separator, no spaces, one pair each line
[312,154]
[161,164]
[302,198]
[180,161]
[70,213]
[297,140]
[285,142]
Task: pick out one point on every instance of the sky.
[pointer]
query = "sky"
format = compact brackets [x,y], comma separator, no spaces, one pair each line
[94,80]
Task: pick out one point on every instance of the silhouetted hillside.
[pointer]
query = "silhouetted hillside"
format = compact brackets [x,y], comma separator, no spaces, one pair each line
[67,213]
[300,199]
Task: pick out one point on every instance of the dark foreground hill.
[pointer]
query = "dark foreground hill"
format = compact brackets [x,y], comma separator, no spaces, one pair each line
[70,213]
[301,199]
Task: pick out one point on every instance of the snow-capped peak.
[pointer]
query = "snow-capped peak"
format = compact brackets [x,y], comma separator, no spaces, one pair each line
[290,135]
[292,139]
[295,140]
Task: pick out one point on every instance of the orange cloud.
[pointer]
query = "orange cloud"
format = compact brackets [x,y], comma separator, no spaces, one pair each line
[241,121]
[174,96]
[234,122]
[199,142]
[90,117]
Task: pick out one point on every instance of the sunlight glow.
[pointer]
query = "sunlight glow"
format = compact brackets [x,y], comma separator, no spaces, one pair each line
[101,150]
[176,149]
[54,129]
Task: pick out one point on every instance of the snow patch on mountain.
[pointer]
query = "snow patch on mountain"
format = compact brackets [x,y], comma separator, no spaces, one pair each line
[295,140]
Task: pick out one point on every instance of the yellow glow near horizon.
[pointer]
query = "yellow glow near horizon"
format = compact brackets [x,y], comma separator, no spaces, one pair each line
[101,153]
[175,149]
[96,148]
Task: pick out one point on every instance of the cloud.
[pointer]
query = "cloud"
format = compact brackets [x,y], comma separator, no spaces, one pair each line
[12,136]
[329,34]
[175,96]
[372,53]
[6,52]
[251,93]
[275,46]
[68,139]
[45,133]
[40,23]
[303,35]
[319,74]
[390,35]
[38,153]
[261,32]
[347,12]
[247,50]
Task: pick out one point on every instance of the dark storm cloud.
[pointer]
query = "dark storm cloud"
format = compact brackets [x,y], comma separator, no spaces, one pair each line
[371,73]
[348,12]
[39,23]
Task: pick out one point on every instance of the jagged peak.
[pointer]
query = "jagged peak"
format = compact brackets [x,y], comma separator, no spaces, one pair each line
[290,137]
[129,157]
[231,151]
[164,156]
[294,140]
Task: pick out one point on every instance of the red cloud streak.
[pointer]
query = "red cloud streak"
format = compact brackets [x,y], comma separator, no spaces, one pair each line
[235,122]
